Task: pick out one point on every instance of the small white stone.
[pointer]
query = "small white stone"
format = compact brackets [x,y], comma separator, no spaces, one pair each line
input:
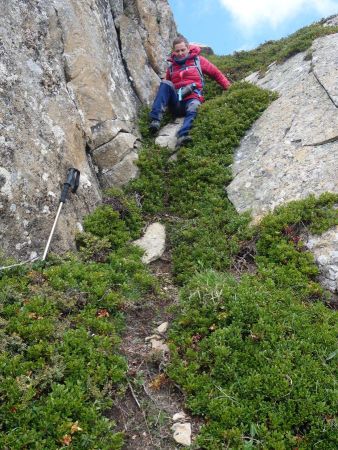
[182,433]
[159,346]
[79,227]
[179,416]
[162,328]
[153,336]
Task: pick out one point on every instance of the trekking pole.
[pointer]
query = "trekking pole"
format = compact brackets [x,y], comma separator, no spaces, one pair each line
[72,183]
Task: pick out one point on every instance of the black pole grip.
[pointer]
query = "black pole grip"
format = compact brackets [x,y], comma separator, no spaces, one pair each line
[73,180]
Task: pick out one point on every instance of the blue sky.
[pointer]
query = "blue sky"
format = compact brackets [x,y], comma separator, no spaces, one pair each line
[233,25]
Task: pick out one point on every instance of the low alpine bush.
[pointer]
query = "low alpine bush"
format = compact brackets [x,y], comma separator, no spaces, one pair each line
[60,368]
[257,363]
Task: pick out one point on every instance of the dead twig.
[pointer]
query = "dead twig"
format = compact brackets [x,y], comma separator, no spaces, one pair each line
[134,396]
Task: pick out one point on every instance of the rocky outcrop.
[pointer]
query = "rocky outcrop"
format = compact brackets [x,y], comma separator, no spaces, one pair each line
[291,151]
[206,50]
[73,74]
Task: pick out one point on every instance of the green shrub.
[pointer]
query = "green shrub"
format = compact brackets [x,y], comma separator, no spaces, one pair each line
[59,360]
[118,220]
[256,362]
[213,232]
[92,247]
[150,186]
[104,222]
[127,208]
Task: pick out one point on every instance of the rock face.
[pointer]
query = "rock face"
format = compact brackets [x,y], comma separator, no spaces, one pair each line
[291,151]
[73,74]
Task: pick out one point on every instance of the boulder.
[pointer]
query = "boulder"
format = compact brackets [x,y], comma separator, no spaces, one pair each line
[289,152]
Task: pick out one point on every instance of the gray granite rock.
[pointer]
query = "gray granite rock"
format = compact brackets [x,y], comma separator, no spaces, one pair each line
[72,79]
[110,154]
[167,134]
[290,152]
[122,172]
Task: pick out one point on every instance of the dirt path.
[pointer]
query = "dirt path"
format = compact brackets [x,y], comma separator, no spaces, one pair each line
[145,412]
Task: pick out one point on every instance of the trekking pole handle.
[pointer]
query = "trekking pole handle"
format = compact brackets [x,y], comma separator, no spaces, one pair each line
[73,180]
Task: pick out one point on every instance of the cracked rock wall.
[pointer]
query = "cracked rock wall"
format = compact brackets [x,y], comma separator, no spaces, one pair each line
[292,149]
[73,74]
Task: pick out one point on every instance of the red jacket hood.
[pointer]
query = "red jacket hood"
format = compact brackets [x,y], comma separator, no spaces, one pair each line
[194,50]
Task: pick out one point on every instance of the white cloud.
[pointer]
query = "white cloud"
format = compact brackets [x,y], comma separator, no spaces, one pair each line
[252,13]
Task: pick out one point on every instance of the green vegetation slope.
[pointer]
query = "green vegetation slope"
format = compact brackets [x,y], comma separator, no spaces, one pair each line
[254,342]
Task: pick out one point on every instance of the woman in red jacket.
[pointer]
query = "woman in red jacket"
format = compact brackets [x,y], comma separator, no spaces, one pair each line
[181,91]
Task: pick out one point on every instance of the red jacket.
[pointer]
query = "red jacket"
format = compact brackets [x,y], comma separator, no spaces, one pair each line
[188,73]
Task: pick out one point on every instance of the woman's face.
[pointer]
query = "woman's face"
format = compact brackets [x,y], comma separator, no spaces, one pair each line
[181,50]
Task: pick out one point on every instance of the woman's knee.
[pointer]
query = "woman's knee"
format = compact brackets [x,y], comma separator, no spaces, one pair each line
[168,83]
[192,106]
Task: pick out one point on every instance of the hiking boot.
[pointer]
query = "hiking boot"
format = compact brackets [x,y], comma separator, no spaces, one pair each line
[154,126]
[182,140]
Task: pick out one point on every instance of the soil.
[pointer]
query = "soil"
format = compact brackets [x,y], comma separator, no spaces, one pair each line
[144,413]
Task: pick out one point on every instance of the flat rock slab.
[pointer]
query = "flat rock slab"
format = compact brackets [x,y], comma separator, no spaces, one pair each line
[153,242]
[167,135]
[291,150]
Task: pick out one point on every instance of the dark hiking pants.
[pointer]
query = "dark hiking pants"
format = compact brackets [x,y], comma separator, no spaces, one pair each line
[167,98]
